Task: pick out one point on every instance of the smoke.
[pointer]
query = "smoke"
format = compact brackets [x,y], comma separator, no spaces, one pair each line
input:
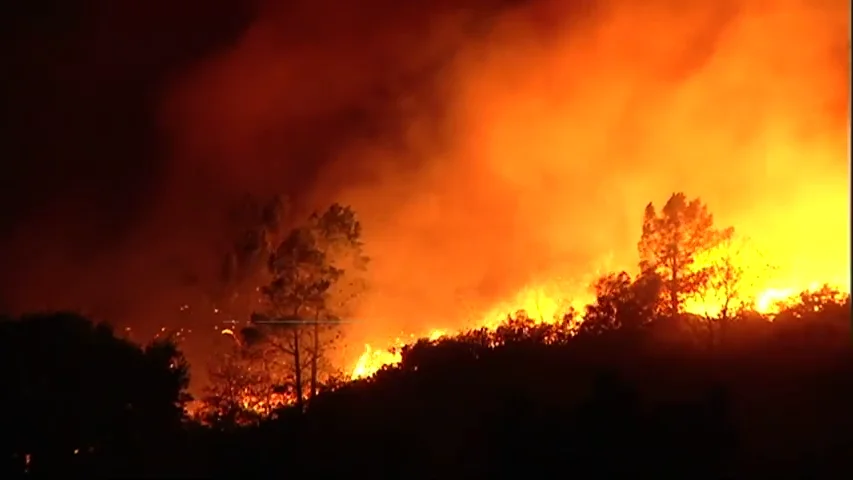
[493,145]
[486,152]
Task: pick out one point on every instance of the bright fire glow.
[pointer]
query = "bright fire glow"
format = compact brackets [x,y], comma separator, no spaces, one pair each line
[555,130]
[542,308]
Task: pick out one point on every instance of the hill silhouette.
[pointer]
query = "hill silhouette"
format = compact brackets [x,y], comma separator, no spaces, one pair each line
[772,400]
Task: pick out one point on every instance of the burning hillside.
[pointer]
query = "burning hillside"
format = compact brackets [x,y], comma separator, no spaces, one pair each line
[514,173]
[499,157]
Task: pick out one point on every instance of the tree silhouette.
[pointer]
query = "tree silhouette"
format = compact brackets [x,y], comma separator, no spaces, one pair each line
[72,388]
[622,303]
[338,235]
[671,241]
[314,278]
[814,303]
[819,316]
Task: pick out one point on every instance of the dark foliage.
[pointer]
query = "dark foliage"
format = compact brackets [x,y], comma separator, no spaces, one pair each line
[77,399]
[773,401]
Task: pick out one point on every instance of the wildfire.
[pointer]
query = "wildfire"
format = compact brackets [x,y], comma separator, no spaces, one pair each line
[373,360]
[541,307]
[560,136]
[772,296]
[538,303]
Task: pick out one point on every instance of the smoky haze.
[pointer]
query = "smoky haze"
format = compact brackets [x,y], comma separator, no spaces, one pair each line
[488,152]
[487,146]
